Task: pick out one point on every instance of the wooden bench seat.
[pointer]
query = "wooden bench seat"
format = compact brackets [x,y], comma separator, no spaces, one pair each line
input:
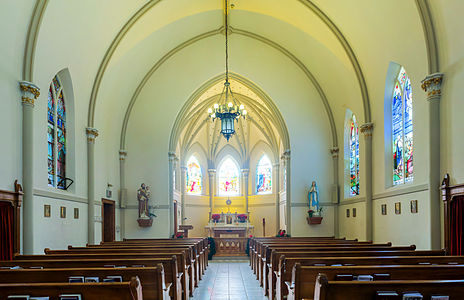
[152,278]
[366,290]
[129,290]
[304,277]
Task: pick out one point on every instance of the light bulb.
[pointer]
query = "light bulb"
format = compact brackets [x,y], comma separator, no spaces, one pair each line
[244,112]
[216,105]
[210,110]
[242,106]
[229,104]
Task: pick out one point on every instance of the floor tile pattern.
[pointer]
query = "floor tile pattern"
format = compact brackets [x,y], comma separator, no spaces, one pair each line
[229,281]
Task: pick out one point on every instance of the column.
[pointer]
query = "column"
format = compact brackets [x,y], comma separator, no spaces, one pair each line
[276,188]
[245,176]
[29,93]
[367,129]
[335,189]
[211,176]
[432,86]
[183,180]
[92,133]
[172,160]
[122,192]
[286,157]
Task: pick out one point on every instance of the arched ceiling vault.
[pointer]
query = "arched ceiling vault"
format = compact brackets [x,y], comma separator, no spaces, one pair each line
[177,9]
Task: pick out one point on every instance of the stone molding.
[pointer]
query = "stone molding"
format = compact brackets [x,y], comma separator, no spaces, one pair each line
[29,91]
[92,134]
[367,129]
[432,86]
[122,154]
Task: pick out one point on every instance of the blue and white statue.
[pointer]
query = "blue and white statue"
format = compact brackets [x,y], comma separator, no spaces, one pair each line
[313,197]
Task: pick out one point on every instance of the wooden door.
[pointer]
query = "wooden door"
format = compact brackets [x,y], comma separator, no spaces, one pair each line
[108,220]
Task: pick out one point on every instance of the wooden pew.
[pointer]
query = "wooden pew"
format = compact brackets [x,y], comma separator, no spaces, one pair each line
[182,271]
[131,290]
[304,277]
[169,265]
[286,264]
[365,290]
[151,278]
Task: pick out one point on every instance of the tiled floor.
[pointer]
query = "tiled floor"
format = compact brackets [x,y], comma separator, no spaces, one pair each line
[229,281]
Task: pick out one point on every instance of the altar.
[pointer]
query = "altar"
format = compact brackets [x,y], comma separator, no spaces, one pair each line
[240,230]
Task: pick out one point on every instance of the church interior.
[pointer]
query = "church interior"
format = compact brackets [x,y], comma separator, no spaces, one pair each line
[249,149]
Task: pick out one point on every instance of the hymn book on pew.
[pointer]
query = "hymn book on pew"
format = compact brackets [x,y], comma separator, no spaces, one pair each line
[439,298]
[76,279]
[112,279]
[92,279]
[412,296]
[387,295]
[70,297]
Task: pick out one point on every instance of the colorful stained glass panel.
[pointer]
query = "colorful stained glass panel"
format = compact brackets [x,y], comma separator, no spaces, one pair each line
[264,176]
[228,178]
[354,157]
[193,177]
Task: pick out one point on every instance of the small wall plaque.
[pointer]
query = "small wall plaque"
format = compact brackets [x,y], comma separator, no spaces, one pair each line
[398,208]
[47,211]
[76,213]
[384,209]
[347,212]
[414,206]
[354,212]
[63,212]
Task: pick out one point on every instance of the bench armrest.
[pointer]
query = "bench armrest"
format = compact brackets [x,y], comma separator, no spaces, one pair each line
[168,287]
[290,285]
[180,274]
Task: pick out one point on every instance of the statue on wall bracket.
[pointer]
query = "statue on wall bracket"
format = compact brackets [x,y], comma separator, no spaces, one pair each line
[313,197]
[145,218]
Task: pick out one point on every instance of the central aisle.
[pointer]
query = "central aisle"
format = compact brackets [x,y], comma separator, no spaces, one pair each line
[229,281]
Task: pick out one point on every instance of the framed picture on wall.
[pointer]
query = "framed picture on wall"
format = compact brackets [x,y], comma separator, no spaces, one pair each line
[347,212]
[47,211]
[398,208]
[414,206]
[76,213]
[384,209]
[354,212]
[63,212]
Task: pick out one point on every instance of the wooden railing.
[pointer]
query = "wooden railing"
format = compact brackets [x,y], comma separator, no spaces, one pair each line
[230,246]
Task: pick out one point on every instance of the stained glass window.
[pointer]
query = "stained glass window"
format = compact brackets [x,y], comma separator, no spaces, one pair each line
[228,178]
[56,135]
[193,177]
[402,134]
[354,156]
[264,176]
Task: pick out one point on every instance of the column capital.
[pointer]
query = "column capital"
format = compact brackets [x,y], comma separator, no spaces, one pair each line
[211,172]
[92,134]
[245,172]
[122,154]
[334,151]
[276,165]
[432,85]
[367,129]
[29,92]
[286,155]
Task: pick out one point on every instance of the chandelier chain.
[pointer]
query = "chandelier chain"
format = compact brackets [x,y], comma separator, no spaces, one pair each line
[227,40]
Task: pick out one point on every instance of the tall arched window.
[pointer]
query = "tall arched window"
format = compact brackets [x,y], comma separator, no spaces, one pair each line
[228,178]
[193,178]
[402,135]
[354,156]
[56,135]
[264,176]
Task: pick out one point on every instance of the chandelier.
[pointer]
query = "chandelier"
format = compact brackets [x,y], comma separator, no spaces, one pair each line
[227,109]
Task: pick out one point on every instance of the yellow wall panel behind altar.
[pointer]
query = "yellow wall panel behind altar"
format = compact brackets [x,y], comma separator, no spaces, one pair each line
[238,205]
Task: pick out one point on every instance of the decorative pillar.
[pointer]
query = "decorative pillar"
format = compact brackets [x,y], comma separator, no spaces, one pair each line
[122,192]
[286,157]
[335,189]
[367,130]
[245,176]
[276,187]
[29,93]
[172,160]
[92,134]
[211,176]
[432,86]
[183,183]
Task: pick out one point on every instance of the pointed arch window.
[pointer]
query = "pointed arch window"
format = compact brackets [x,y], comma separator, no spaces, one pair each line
[228,178]
[193,178]
[56,135]
[402,133]
[354,156]
[264,176]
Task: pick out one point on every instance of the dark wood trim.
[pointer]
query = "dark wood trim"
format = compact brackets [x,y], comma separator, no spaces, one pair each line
[15,198]
[113,225]
[175,217]
[448,195]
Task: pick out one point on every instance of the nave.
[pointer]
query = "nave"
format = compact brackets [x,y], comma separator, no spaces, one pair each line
[230,279]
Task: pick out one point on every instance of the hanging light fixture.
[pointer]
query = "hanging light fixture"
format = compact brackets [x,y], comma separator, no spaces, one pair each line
[227,109]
